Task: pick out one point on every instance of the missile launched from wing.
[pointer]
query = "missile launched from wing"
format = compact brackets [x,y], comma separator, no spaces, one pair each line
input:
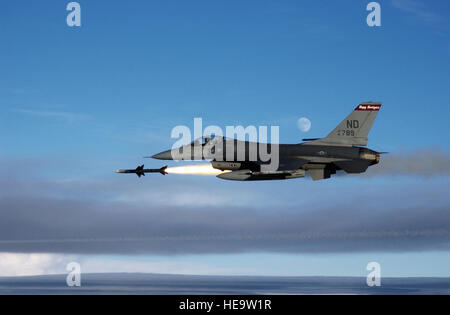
[140,170]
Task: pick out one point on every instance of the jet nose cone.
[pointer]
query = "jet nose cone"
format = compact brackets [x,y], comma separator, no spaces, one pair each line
[166,155]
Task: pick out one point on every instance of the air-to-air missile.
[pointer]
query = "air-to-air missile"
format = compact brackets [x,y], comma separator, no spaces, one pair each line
[140,170]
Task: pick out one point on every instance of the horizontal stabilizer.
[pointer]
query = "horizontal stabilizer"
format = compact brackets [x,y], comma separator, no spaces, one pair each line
[353,167]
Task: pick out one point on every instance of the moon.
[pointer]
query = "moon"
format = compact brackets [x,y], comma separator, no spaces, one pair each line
[304,124]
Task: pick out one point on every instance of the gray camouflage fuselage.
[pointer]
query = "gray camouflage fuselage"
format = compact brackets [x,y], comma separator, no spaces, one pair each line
[320,161]
[341,149]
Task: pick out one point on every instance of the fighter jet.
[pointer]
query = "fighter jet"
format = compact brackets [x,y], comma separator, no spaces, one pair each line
[343,149]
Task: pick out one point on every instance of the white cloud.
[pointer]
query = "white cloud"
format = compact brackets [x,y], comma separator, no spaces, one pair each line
[12,264]
[418,9]
[70,117]
[136,264]
[36,264]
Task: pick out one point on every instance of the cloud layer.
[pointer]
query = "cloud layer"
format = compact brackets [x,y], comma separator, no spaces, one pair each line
[121,215]
[68,226]
[28,264]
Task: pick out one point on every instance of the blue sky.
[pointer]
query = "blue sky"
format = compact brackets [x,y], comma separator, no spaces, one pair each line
[77,103]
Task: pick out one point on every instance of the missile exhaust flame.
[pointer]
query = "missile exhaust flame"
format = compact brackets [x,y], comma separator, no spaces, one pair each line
[200,169]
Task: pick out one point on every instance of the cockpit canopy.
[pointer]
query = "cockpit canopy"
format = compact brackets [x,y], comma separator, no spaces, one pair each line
[203,140]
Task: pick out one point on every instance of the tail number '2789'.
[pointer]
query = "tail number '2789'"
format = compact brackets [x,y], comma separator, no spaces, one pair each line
[346,133]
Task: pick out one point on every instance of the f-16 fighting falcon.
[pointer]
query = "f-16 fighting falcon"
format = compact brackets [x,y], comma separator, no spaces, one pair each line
[343,149]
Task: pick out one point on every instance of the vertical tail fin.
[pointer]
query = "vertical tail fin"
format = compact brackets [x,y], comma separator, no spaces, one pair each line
[354,129]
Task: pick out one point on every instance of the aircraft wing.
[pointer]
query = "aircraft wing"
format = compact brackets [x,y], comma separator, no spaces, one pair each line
[291,164]
[286,164]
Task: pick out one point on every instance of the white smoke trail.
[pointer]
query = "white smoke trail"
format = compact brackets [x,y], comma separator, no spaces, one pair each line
[424,163]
